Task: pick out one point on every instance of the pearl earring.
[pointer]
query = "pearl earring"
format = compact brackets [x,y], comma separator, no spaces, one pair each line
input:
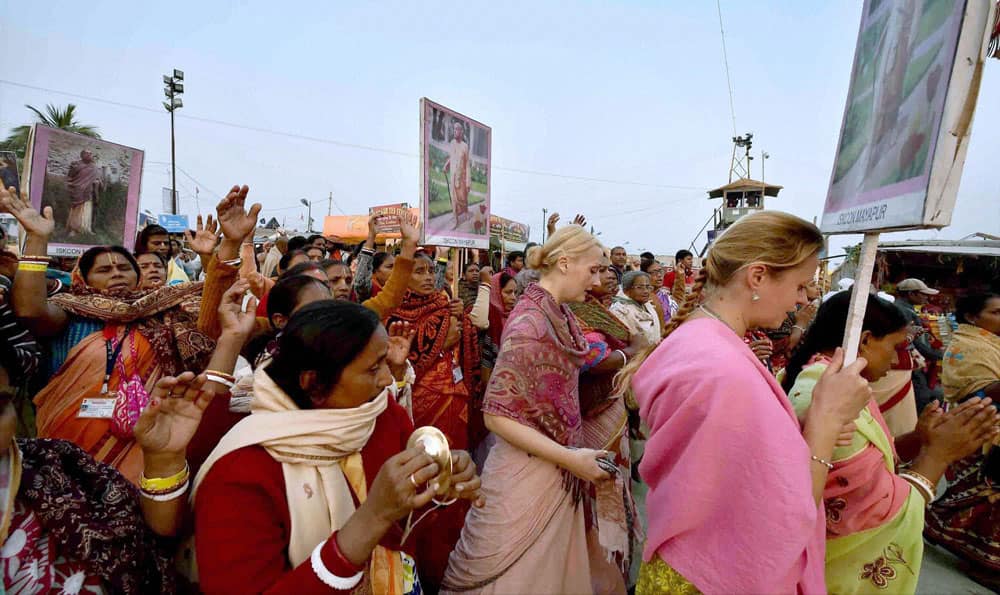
[755,297]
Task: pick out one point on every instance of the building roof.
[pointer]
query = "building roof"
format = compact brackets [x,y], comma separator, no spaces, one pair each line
[963,247]
[745,184]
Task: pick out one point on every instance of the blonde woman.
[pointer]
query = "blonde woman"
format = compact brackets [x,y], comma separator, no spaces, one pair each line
[734,480]
[531,537]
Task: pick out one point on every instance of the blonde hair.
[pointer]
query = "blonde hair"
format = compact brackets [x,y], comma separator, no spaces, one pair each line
[774,239]
[570,241]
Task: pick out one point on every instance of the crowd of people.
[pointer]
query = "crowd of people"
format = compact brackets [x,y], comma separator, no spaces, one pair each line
[210,414]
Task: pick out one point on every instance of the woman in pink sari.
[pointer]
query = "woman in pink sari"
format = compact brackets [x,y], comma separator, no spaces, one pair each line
[532,536]
[734,481]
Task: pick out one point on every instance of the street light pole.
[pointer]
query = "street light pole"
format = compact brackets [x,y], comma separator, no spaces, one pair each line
[545,220]
[173,89]
[309,223]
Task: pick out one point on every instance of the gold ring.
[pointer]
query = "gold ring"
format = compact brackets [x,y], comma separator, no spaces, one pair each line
[414,482]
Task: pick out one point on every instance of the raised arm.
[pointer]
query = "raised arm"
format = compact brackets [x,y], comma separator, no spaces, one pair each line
[29,295]
[480,313]
[394,291]
[363,276]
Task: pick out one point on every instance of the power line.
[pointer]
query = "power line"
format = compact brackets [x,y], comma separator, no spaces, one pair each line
[725,59]
[348,145]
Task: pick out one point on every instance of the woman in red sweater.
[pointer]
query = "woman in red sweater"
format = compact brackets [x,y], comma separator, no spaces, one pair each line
[307,493]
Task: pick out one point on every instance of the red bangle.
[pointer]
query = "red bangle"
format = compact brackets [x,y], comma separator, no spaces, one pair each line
[340,560]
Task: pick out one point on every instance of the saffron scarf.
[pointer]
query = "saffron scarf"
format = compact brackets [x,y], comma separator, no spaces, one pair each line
[971,363]
[594,316]
[431,316]
[319,448]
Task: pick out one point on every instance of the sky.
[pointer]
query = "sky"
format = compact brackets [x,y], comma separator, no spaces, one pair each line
[631,96]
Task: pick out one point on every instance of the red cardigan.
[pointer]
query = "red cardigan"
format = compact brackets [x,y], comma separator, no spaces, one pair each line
[242,525]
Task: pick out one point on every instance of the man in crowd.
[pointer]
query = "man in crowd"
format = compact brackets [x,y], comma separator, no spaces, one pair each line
[154,238]
[680,285]
[515,263]
[619,258]
[274,257]
[911,293]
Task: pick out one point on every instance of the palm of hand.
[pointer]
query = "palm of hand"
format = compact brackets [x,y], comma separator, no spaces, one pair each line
[399,350]
[170,427]
[203,242]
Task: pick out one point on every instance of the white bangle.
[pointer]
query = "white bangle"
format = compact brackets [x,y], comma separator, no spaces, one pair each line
[220,380]
[330,579]
[624,357]
[169,495]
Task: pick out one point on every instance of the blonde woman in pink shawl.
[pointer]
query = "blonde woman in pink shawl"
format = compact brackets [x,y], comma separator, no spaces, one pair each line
[532,536]
[735,483]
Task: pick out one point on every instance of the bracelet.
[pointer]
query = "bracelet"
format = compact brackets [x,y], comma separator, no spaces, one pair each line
[35,257]
[801,328]
[223,375]
[235,263]
[340,558]
[921,483]
[168,496]
[445,503]
[158,485]
[220,380]
[328,578]
[828,464]
[32,267]
[624,357]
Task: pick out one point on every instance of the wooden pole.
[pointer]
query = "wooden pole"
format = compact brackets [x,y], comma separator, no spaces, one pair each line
[859,299]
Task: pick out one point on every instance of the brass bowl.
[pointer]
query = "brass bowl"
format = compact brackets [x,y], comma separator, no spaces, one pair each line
[435,444]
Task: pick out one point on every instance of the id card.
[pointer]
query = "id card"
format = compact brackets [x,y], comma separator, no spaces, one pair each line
[456,374]
[97,409]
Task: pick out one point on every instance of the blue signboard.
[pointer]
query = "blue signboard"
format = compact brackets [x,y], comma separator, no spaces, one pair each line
[174,223]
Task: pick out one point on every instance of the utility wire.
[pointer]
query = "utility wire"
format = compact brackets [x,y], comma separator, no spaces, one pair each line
[347,145]
[725,60]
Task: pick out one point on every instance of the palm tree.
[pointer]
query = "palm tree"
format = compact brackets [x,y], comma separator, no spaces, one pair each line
[64,119]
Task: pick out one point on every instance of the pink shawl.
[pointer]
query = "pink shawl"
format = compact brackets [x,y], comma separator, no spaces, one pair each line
[730,501]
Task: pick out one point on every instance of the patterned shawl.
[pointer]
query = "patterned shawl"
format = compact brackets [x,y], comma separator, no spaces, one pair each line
[594,316]
[498,311]
[94,515]
[431,316]
[971,363]
[167,317]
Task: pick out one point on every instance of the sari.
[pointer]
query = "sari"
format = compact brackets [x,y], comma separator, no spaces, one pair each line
[966,520]
[895,396]
[606,427]
[68,520]
[158,335]
[730,476]
[446,378]
[874,519]
[532,534]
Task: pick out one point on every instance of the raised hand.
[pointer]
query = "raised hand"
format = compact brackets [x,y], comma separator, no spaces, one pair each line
[580,220]
[409,228]
[205,237]
[842,391]
[550,225]
[962,431]
[175,409]
[401,334]
[34,223]
[236,222]
[232,317]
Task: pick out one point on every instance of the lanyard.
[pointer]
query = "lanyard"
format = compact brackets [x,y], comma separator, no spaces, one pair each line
[109,366]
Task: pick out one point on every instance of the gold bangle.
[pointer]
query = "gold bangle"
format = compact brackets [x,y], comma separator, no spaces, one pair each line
[228,377]
[826,464]
[159,485]
[32,267]
[35,257]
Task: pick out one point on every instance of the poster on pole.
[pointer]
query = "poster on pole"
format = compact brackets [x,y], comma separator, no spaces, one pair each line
[906,125]
[511,232]
[455,153]
[92,186]
[388,217]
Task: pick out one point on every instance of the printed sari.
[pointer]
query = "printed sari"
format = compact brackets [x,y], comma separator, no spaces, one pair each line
[874,519]
[446,376]
[532,535]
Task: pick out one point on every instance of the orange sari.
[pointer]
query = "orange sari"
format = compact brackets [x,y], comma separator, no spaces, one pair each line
[81,377]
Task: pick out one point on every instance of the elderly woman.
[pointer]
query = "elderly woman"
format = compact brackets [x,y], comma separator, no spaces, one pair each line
[966,520]
[635,309]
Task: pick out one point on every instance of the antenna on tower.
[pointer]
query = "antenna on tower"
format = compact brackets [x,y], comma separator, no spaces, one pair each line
[740,164]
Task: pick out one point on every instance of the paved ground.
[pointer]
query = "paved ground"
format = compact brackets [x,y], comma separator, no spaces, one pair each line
[940,575]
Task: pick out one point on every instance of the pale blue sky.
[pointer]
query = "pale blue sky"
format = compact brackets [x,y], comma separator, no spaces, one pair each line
[627,91]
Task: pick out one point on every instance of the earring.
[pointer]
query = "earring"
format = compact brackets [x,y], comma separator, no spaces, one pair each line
[755,297]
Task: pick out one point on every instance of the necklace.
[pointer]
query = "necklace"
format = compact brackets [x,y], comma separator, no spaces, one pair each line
[712,314]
